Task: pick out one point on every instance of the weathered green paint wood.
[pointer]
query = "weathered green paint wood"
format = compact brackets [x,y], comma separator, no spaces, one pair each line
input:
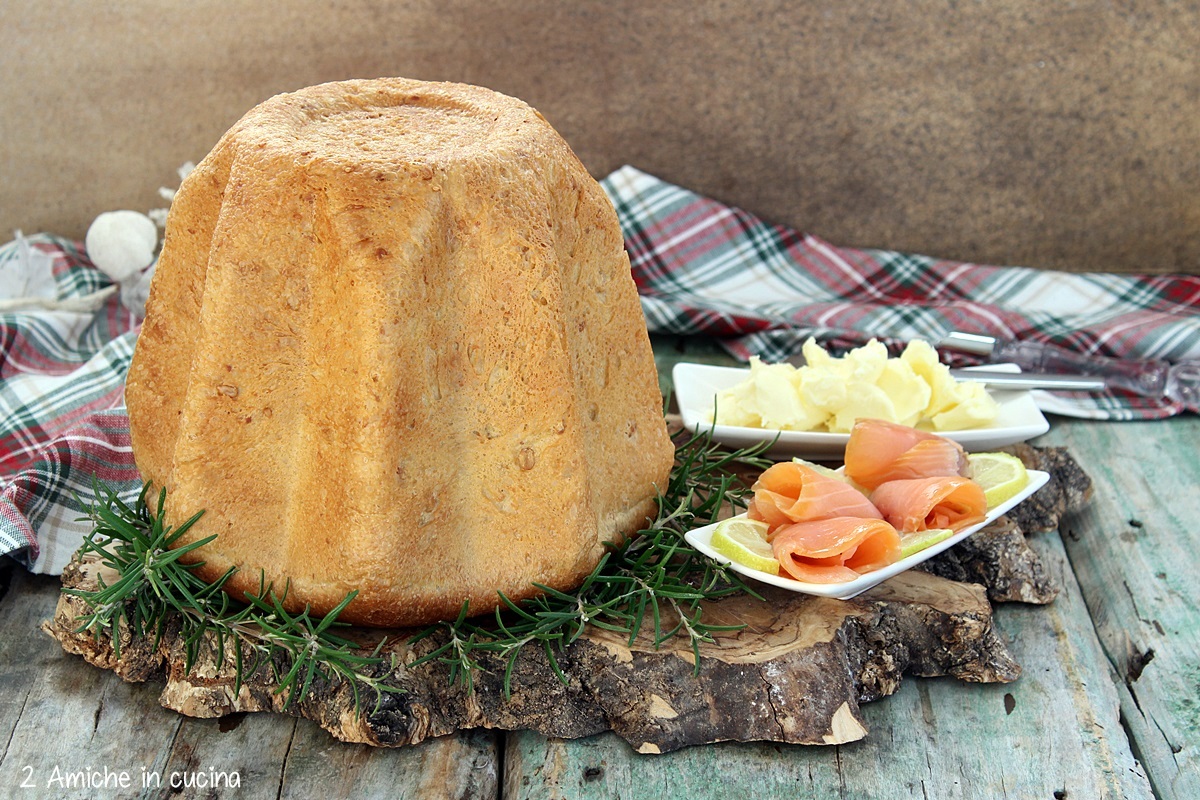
[58,712]
[69,715]
[465,767]
[1054,733]
[1136,554]
[241,756]
[1054,730]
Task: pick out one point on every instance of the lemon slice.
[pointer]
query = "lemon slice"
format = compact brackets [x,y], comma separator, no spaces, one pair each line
[1001,475]
[917,541]
[821,469]
[745,542]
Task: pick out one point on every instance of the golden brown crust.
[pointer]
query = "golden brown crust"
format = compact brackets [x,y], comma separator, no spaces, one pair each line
[393,345]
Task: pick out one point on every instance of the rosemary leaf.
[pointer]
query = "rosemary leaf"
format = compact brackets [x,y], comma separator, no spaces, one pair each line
[654,574]
[155,588]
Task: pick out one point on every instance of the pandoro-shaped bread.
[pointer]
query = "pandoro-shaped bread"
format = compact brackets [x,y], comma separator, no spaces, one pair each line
[393,346]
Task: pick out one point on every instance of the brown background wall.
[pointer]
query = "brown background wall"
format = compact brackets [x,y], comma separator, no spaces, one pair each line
[1025,132]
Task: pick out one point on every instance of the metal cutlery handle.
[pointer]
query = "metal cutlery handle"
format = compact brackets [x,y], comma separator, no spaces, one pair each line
[1030,380]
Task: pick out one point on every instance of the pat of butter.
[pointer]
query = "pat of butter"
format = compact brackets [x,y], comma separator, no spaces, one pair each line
[829,393]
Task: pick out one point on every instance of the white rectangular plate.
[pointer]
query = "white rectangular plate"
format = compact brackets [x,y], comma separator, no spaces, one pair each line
[697,384]
[701,539]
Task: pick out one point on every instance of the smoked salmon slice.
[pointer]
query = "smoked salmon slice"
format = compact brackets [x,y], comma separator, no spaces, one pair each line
[880,451]
[835,550]
[826,527]
[930,503]
[790,492]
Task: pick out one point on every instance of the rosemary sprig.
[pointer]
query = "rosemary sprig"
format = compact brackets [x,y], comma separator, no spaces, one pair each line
[154,587]
[648,574]
[654,575]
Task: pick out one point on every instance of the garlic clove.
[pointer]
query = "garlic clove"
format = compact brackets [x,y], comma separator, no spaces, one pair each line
[121,243]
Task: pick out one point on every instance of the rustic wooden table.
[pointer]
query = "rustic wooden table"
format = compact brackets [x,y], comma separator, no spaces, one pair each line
[1108,705]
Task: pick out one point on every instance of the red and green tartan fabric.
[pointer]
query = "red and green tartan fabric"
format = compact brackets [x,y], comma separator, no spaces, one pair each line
[62,415]
[701,268]
[706,268]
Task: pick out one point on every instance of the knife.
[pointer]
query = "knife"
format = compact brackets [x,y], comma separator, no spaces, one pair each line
[1030,380]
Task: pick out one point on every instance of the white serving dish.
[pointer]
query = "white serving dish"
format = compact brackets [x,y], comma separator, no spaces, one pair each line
[696,385]
[701,539]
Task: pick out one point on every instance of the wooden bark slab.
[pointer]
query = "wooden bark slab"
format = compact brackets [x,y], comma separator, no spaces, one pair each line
[796,673]
[999,556]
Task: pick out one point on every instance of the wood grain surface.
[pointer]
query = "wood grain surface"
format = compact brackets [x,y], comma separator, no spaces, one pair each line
[1136,552]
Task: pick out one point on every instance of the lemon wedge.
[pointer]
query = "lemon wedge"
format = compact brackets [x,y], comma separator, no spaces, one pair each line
[917,541]
[744,541]
[1001,475]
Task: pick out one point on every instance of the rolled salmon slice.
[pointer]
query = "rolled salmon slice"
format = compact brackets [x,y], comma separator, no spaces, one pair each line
[930,503]
[879,451]
[835,550]
[791,492]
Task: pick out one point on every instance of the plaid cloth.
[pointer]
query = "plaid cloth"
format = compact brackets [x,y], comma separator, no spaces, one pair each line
[62,416]
[704,267]
[700,266]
